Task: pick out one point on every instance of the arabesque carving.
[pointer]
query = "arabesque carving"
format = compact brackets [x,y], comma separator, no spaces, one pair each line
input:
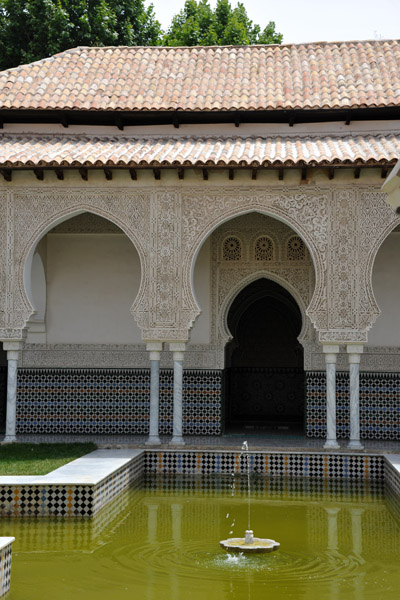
[342,227]
[228,278]
[304,211]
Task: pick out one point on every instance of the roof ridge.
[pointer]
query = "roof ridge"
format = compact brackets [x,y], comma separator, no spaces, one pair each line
[77,49]
[215,46]
[313,76]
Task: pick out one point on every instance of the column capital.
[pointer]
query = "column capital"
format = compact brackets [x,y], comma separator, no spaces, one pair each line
[354,348]
[154,346]
[178,349]
[330,351]
[154,349]
[12,345]
[330,348]
[177,346]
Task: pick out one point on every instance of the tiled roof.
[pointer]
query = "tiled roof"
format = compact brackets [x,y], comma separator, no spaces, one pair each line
[124,151]
[229,78]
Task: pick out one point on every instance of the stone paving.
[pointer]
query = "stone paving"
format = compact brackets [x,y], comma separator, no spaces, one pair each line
[257,441]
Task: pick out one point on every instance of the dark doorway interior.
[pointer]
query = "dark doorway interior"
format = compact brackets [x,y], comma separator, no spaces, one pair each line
[264,376]
[3,387]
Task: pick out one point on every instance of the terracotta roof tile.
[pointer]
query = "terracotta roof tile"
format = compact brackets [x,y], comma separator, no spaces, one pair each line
[124,151]
[318,75]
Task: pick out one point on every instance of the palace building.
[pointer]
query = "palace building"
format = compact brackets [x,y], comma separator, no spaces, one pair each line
[196,241]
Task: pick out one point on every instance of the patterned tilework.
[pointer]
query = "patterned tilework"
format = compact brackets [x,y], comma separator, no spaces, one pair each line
[5,569]
[287,488]
[329,466]
[67,500]
[379,405]
[117,482]
[114,401]
[202,398]
[318,474]
[392,478]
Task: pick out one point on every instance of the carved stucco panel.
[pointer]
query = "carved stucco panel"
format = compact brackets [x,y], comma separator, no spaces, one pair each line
[304,211]
[343,284]
[4,259]
[165,259]
[352,223]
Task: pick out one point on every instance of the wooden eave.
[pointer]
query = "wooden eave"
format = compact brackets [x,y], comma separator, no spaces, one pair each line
[122,119]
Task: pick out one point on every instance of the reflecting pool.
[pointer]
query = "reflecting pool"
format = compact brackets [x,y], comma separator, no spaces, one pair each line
[161,540]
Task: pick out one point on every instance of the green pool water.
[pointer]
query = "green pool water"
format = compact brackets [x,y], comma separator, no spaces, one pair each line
[160,540]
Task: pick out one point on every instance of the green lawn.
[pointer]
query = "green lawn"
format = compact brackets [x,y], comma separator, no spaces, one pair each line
[39,459]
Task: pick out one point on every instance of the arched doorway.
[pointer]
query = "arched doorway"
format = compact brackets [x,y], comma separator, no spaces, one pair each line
[264,375]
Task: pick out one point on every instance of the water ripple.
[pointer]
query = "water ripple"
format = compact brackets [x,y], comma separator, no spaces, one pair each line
[194,560]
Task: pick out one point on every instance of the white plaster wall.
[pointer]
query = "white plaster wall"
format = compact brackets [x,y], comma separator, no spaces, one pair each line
[200,333]
[386,286]
[92,281]
[38,284]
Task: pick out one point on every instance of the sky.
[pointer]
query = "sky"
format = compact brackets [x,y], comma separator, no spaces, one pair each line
[313,21]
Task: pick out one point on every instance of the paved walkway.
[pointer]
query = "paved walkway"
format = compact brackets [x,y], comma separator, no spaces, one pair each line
[256,441]
[86,470]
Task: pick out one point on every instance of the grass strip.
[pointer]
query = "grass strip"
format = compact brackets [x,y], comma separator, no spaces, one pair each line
[39,459]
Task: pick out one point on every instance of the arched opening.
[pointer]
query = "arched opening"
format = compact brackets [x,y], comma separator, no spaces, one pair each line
[386,288]
[83,278]
[79,374]
[264,373]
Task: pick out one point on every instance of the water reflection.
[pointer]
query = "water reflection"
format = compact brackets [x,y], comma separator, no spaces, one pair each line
[338,541]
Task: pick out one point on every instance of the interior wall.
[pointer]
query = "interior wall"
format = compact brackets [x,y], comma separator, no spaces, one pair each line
[386,286]
[92,281]
[200,333]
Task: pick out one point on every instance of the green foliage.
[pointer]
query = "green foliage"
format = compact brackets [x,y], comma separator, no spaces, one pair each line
[198,25]
[39,459]
[34,29]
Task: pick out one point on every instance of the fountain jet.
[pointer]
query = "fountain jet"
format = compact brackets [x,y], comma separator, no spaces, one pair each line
[249,544]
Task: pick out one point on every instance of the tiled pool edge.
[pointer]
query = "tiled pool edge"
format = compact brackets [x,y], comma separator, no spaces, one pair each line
[61,493]
[5,563]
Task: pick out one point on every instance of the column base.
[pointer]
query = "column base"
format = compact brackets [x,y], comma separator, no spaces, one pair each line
[177,441]
[8,439]
[355,445]
[332,444]
[153,440]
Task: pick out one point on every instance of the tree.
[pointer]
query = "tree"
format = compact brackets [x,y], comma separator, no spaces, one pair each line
[34,29]
[198,25]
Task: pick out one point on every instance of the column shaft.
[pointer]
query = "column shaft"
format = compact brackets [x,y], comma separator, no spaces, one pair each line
[330,361]
[177,424]
[12,372]
[354,353]
[178,352]
[155,354]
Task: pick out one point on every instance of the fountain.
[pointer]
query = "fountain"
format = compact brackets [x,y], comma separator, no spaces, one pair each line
[249,544]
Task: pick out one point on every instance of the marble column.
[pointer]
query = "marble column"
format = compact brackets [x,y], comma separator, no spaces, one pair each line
[154,348]
[330,351]
[356,530]
[12,348]
[332,528]
[354,352]
[176,511]
[177,349]
[152,510]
